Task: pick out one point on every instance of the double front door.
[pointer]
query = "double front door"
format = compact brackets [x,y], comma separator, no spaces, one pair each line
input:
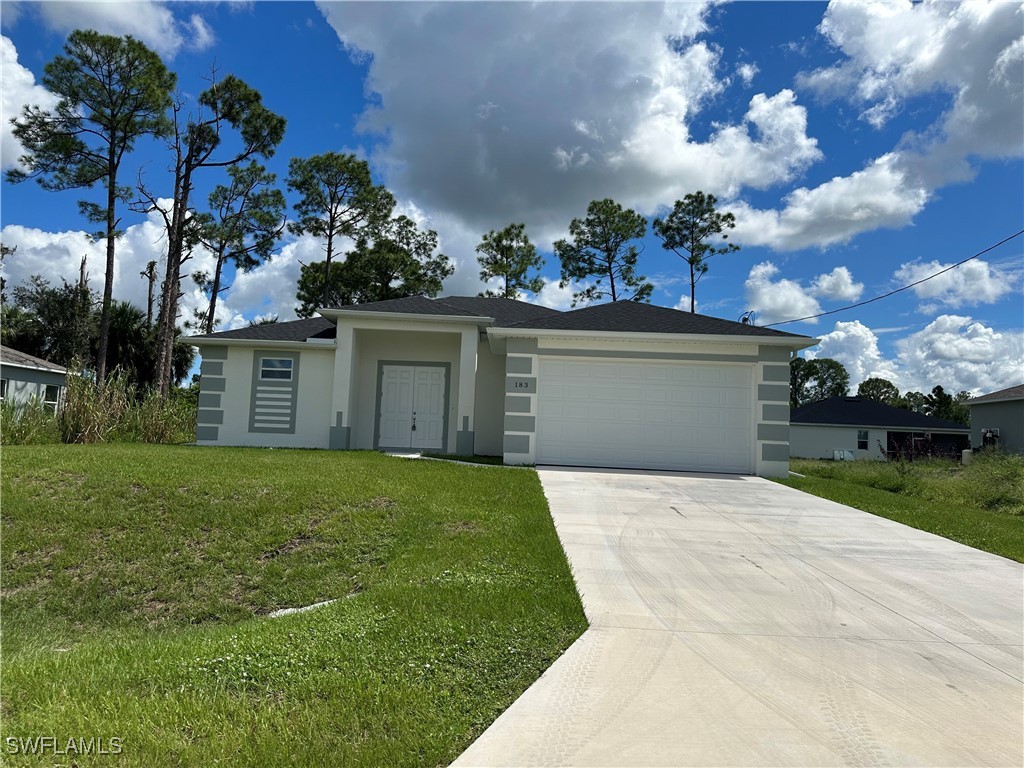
[412,407]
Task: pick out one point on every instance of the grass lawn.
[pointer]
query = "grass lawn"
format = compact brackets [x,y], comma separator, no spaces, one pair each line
[137,578]
[981,505]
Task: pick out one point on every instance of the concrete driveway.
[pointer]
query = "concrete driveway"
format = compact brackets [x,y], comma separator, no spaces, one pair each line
[737,622]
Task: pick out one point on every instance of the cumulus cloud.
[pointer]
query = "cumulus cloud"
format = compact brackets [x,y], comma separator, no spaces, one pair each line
[837,285]
[628,80]
[856,346]
[976,282]
[17,88]
[775,300]
[151,22]
[954,351]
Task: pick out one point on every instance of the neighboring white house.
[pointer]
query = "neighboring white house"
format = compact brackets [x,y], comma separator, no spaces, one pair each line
[24,378]
[1001,413]
[868,429]
[623,384]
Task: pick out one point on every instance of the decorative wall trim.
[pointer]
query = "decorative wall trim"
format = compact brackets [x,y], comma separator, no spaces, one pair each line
[273,402]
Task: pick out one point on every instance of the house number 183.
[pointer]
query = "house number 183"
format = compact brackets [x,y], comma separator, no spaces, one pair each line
[520,385]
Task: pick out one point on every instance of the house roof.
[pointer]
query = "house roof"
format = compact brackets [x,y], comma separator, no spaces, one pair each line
[861,412]
[638,317]
[614,317]
[1010,393]
[293,330]
[18,359]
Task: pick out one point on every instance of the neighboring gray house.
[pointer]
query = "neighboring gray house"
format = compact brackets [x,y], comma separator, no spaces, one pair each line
[1003,412]
[24,377]
[870,430]
[624,384]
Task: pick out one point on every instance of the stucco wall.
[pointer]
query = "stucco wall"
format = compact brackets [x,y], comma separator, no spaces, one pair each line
[489,414]
[406,346]
[1007,417]
[818,442]
[226,390]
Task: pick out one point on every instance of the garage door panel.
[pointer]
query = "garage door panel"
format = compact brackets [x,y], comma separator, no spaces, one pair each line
[677,416]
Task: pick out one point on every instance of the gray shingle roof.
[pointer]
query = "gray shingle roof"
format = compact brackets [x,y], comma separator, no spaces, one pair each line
[504,311]
[411,305]
[10,356]
[860,412]
[293,330]
[1010,393]
[637,317]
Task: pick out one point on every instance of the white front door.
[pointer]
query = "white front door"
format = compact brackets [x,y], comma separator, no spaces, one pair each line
[412,407]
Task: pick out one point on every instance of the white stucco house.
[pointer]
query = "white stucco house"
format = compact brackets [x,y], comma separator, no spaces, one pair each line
[1001,414]
[868,429]
[24,378]
[623,384]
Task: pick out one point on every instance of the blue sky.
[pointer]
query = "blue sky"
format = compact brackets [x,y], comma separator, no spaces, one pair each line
[860,147]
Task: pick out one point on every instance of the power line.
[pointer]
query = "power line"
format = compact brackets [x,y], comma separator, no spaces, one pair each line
[898,290]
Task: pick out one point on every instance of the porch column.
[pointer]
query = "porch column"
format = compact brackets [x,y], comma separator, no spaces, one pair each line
[467,392]
[341,410]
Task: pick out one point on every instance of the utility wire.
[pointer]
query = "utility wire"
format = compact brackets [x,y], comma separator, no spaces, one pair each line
[904,288]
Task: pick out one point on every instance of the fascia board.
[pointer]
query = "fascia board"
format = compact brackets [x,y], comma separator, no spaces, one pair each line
[940,430]
[795,343]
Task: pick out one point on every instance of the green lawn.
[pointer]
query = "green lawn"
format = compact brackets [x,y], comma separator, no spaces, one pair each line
[981,505]
[136,582]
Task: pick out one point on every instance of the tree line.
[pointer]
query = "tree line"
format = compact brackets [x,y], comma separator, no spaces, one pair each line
[112,92]
[821,378]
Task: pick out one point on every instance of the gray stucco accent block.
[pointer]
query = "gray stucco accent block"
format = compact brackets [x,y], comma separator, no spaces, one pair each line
[768,354]
[464,441]
[523,346]
[339,436]
[207,433]
[773,392]
[211,384]
[515,404]
[521,385]
[518,364]
[214,353]
[210,416]
[517,444]
[771,412]
[209,399]
[776,373]
[775,451]
[520,423]
[776,432]
[212,368]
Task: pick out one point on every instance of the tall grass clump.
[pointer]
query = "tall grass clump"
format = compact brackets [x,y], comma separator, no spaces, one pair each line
[117,412]
[28,423]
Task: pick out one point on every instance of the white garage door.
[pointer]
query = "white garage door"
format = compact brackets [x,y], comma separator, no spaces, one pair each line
[653,415]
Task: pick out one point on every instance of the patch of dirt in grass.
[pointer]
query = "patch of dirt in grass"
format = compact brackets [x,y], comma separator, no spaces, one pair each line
[294,544]
[379,502]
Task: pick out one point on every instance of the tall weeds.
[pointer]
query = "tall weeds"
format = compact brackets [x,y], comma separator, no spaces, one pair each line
[114,413]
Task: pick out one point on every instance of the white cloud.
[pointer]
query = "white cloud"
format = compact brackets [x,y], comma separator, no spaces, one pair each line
[627,79]
[962,354]
[953,351]
[747,73]
[17,88]
[776,300]
[151,22]
[976,282]
[553,297]
[856,346]
[837,285]
[834,212]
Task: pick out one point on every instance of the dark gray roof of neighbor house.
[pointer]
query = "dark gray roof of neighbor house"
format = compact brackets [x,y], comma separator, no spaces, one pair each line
[292,330]
[638,317]
[860,412]
[1010,393]
[13,357]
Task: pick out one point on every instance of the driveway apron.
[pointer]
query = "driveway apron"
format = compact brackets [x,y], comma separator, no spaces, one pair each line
[738,622]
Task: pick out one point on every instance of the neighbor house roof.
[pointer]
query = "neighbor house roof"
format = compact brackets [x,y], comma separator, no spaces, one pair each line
[638,317]
[1010,393]
[18,359]
[861,412]
[614,317]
